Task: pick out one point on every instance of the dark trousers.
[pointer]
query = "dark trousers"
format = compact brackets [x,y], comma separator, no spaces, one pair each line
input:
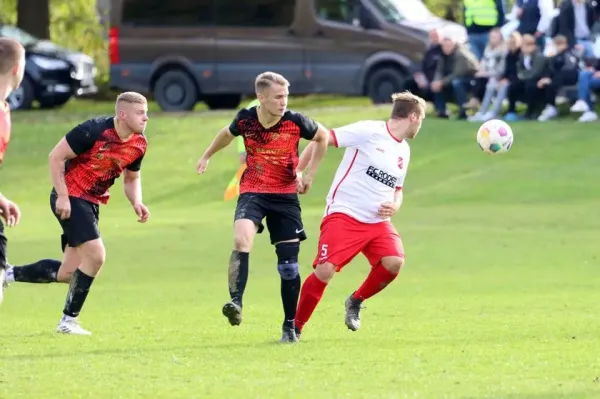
[559,80]
[479,88]
[526,91]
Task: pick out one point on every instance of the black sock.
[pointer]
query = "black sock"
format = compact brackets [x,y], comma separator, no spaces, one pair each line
[290,291]
[43,271]
[78,291]
[238,275]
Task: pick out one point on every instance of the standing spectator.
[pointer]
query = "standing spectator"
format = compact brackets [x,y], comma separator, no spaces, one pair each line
[481,16]
[575,21]
[530,68]
[453,75]
[589,80]
[499,87]
[562,71]
[491,67]
[420,84]
[535,17]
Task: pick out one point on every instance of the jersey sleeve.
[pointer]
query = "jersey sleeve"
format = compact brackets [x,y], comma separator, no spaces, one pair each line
[234,126]
[351,136]
[136,165]
[308,127]
[82,137]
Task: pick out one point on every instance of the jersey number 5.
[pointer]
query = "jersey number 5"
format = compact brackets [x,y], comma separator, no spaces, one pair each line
[323,250]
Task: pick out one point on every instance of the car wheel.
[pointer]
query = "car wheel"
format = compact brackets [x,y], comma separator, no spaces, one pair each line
[384,82]
[175,90]
[22,98]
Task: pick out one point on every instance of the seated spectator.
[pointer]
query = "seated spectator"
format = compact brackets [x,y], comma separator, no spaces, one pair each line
[589,80]
[499,87]
[420,84]
[453,75]
[562,71]
[530,68]
[576,21]
[491,67]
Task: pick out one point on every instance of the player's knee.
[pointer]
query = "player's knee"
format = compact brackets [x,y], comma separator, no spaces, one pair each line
[93,256]
[393,264]
[243,237]
[325,271]
[287,259]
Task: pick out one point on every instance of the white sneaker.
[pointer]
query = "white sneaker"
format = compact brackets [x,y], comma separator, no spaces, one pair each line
[580,106]
[589,116]
[70,325]
[488,116]
[10,276]
[548,113]
[475,118]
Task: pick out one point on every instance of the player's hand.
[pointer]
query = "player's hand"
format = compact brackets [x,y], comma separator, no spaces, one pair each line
[9,211]
[306,183]
[63,207]
[436,86]
[142,211]
[387,209]
[201,165]
[299,183]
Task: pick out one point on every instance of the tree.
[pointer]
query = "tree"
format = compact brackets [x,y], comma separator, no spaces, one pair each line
[33,16]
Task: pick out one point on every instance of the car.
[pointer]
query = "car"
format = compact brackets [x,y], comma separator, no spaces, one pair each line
[52,74]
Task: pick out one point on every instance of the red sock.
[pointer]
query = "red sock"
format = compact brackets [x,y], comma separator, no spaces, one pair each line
[310,295]
[377,280]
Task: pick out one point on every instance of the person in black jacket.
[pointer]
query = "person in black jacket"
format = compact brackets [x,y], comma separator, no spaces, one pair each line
[422,78]
[575,21]
[562,70]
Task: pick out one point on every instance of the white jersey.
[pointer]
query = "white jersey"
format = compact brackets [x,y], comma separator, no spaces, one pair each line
[373,168]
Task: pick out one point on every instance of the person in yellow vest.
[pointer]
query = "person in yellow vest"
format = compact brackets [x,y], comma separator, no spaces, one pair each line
[481,16]
[233,188]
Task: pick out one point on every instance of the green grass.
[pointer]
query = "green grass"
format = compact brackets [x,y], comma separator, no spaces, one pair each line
[498,298]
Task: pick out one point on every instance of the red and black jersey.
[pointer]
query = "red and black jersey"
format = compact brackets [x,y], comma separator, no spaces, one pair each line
[101,158]
[4,129]
[271,154]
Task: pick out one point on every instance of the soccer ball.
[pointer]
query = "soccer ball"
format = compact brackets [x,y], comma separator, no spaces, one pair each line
[495,137]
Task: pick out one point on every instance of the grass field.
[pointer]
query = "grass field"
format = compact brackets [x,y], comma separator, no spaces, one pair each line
[498,298]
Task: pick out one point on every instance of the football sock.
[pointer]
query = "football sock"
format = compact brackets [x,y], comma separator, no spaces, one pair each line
[238,275]
[43,271]
[311,294]
[78,291]
[290,291]
[377,280]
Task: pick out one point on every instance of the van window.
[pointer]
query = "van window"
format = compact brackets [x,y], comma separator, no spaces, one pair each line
[167,13]
[345,11]
[259,13]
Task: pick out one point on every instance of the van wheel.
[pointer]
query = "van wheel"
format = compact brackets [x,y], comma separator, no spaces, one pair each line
[223,101]
[384,82]
[175,90]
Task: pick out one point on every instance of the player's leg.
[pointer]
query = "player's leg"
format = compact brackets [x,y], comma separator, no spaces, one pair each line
[82,234]
[284,221]
[3,263]
[248,217]
[341,239]
[47,270]
[386,256]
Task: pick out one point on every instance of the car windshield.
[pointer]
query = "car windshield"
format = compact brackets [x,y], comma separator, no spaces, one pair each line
[397,10]
[15,33]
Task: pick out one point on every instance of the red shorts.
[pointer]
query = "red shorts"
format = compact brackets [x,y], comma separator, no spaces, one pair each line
[343,237]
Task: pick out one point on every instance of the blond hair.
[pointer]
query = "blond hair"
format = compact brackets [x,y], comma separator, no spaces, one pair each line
[406,103]
[131,97]
[11,52]
[266,79]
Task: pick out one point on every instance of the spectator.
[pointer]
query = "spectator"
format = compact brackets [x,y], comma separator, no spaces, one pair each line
[500,87]
[491,67]
[562,71]
[535,17]
[454,72]
[530,68]
[420,84]
[576,21]
[481,16]
[589,80]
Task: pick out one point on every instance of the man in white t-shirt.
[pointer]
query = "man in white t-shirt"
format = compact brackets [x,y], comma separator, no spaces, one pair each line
[366,192]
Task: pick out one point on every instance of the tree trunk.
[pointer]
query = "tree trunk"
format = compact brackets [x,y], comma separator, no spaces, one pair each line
[33,16]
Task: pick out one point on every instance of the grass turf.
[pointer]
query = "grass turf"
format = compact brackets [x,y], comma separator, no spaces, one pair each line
[497,300]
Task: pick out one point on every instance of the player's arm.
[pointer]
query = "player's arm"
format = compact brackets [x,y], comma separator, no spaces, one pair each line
[221,140]
[77,141]
[319,143]
[132,182]
[307,154]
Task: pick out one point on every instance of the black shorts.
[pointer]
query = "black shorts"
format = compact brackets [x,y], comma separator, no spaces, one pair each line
[2,247]
[82,225]
[283,213]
